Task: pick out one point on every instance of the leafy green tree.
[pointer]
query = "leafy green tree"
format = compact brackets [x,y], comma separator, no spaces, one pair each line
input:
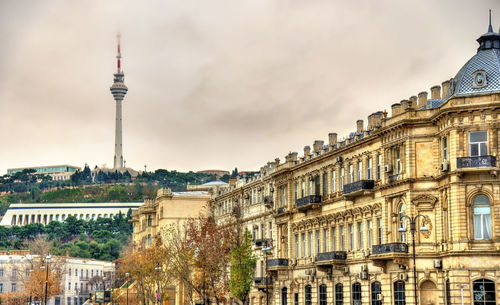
[243,262]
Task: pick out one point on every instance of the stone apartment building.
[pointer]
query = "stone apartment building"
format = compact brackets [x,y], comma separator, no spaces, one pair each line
[334,215]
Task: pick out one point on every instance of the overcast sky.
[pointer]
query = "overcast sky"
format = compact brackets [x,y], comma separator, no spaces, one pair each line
[215,84]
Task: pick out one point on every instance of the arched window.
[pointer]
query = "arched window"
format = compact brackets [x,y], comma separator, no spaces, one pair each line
[339,294]
[399,293]
[308,295]
[376,292]
[401,212]
[284,296]
[484,292]
[322,294]
[356,294]
[482,217]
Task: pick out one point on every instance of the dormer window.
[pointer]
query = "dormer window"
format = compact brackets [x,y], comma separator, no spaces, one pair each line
[479,79]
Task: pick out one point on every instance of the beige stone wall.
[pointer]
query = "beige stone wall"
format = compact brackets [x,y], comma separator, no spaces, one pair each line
[412,143]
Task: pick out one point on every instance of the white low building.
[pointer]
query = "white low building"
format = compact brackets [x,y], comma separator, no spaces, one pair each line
[25,213]
[81,277]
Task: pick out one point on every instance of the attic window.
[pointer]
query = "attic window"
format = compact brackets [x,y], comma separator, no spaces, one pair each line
[479,79]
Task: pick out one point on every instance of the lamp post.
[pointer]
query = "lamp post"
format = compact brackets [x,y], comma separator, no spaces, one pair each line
[158,294]
[266,250]
[413,229]
[47,259]
[127,275]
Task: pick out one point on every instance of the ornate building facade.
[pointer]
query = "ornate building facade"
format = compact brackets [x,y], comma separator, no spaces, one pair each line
[338,217]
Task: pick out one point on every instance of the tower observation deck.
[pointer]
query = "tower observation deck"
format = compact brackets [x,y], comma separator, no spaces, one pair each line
[119,90]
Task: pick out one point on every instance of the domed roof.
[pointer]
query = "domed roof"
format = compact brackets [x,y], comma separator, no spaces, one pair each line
[481,74]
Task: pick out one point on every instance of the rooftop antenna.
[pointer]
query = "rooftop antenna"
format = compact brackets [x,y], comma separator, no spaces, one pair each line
[490,28]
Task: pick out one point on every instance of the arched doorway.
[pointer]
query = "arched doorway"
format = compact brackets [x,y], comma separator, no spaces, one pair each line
[428,293]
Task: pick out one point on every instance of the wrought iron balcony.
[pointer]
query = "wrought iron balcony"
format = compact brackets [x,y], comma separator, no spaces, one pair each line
[474,162]
[281,210]
[268,200]
[277,263]
[329,258]
[394,178]
[262,242]
[263,281]
[389,250]
[308,201]
[360,185]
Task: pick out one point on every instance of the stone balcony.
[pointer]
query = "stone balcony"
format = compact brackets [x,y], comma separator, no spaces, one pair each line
[308,202]
[360,187]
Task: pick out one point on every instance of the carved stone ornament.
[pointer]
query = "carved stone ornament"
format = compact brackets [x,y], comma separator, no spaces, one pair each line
[428,224]
[425,202]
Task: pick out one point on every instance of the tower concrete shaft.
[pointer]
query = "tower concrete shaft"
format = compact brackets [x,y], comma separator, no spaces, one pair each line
[119,90]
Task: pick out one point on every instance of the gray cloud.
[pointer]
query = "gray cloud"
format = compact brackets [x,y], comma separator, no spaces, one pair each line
[215,84]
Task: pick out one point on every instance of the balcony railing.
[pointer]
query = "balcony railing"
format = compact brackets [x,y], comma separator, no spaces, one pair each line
[358,186]
[263,281]
[394,178]
[281,210]
[390,248]
[278,262]
[262,242]
[480,161]
[334,255]
[308,200]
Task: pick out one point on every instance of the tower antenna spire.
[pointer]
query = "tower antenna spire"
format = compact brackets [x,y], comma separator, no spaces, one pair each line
[119,55]
[490,28]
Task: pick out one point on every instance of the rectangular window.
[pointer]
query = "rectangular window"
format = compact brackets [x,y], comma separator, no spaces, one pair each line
[360,170]
[360,235]
[310,243]
[296,245]
[325,240]
[334,181]
[478,143]
[370,233]
[351,173]
[69,272]
[310,188]
[303,244]
[68,301]
[398,160]
[1,287]
[325,184]
[379,231]
[334,239]
[351,236]
[318,242]
[445,148]
[14,287]
[283,196]
[69,285]
[14,273]
[341,182]
[27,272]
[1,272]
[296,190]
[379,167]
[369,169]
[303,189]
[270,230]
[342,238]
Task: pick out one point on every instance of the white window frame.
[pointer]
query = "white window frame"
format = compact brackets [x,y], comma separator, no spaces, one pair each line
[471,143]
[369,174]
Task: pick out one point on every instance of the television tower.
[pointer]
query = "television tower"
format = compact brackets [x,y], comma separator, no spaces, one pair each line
[118,89]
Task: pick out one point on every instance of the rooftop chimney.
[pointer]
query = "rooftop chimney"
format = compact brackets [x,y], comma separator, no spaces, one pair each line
[359,126]
[332,138]
[422,99]
[396,109]
[375,119]
[318,144]
[435,92]
[413,102]
[446,86]
[404,105]
[307,151]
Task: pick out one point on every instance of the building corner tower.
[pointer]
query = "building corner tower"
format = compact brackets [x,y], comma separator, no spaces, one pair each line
[118,89]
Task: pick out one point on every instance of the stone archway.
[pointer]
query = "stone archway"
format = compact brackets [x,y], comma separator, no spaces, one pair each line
[428,293]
